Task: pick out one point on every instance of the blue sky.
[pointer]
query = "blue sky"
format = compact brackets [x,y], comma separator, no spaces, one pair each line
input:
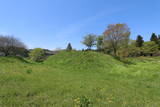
[53,23]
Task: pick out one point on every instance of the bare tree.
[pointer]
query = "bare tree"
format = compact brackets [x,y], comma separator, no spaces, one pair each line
[11,45]
[117,35]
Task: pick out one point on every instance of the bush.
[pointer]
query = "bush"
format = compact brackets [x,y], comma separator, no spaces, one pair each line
[123,53]
[150,48]
[37,55]
[134,51]
[29,71]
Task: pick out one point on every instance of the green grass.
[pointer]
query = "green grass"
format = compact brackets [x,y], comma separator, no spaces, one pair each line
[64,78]
[82,61]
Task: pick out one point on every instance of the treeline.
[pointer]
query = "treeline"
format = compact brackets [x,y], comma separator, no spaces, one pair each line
[148,48]
[116,41]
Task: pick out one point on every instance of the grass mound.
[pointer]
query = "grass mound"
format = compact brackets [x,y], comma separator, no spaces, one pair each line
[12,60]
[44,84]
[76,60]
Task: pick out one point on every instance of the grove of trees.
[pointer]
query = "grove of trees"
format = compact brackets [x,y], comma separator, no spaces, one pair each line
[117,42]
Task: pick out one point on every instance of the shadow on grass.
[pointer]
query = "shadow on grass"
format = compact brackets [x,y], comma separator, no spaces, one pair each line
[10,59]
[124,60]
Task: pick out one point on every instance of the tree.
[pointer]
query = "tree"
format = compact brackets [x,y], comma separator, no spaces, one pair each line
[159,37]
[10,45]
[154,38]
[139,41]
[69,47]
[89,41]
[99,43]
[116,36]
[37,55]
[158,41]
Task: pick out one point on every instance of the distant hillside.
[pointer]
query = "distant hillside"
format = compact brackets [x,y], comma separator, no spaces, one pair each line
[83,61]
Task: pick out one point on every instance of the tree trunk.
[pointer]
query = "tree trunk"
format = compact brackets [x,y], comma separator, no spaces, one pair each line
[115,52]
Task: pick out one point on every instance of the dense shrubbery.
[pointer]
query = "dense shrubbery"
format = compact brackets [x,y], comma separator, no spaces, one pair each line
[37,55]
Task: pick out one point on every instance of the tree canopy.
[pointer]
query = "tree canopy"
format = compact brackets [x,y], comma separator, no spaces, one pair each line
[117,35]
[139,41]
[99,43]
[154,38]
[89,40]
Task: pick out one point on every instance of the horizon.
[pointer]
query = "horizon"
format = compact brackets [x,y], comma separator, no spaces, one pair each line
[52,24]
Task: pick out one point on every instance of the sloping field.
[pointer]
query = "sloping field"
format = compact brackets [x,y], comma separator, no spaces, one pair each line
[71,79]
[83,61]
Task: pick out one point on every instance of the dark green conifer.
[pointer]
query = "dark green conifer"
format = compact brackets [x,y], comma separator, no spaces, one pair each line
[139,41]
[69,47]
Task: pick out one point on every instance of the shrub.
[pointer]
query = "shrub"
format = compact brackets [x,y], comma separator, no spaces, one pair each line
[123,53]
[134,51]
[37,55]
[150,48]
[29,71]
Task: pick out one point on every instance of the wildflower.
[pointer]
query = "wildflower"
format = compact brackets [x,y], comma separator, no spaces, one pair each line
[110,101]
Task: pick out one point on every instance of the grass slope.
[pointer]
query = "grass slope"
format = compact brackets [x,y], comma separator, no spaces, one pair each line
[50,84]
[83,61]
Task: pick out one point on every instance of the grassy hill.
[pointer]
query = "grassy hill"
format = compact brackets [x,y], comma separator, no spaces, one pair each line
[53,83]
[12,60]
[83,61]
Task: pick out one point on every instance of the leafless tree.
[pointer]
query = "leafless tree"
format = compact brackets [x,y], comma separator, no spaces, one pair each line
[11,45]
